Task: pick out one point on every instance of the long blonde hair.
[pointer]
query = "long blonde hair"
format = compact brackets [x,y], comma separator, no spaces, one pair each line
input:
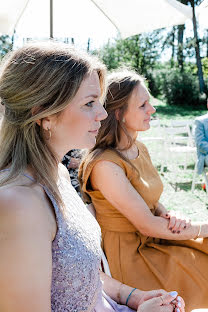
[37,81]
[120,85]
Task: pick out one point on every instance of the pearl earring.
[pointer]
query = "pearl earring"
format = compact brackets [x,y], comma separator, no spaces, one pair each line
[123,120]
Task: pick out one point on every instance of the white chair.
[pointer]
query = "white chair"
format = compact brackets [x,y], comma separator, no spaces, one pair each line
[179,145]
[155,133]
[185,129]
[154,139]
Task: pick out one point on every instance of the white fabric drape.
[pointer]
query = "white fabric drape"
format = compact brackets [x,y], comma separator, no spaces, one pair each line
[130,17]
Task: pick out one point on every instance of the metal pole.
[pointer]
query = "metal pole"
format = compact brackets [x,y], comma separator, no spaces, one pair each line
[51,18]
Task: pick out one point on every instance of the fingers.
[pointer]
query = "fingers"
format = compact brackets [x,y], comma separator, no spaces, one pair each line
[176,228]
[167,308]
[188,223]
[177,224]
[155,304]
[168,297]
[172,223]
[179,304]
[180,225]
[165,215]
[160,304]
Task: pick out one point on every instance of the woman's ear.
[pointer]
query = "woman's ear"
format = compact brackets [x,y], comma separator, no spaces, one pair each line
[117,112]
[38,122]
[45,123]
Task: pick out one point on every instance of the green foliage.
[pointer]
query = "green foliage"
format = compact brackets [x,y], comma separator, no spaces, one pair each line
[205,66]
[180,88]
[139,52]
[5,45]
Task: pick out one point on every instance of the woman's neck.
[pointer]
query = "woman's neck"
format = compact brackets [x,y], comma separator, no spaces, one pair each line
[124,142]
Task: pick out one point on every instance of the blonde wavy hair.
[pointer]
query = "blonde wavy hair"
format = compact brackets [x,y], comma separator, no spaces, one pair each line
[36,81]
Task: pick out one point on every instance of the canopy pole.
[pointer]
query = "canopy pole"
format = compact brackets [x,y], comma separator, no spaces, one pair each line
[51,18]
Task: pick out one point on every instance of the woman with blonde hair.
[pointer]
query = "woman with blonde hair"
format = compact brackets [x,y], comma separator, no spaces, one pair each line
[49,241]
[146,246]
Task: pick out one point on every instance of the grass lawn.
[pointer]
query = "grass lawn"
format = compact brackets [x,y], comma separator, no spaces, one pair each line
[167,112]
[177,193]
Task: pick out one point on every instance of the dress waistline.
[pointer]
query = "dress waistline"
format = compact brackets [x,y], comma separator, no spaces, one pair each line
[115,224]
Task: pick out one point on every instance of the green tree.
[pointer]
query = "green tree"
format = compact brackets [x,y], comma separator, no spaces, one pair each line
[139,52]
[5,45]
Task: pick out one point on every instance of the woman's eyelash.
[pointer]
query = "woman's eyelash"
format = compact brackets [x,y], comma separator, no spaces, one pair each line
[89,104]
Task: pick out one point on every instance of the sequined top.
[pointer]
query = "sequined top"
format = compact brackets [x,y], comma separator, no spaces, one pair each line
[76,257]
[76,254]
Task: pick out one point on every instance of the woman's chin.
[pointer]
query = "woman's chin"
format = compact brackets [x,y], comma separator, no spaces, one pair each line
[90,144]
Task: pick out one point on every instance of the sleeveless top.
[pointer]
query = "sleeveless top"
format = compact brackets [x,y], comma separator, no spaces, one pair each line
[145,180]
[76,257]
[76,254]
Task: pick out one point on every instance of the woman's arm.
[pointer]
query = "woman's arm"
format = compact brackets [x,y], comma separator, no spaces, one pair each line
[111,181]
[25,245]
[138,298]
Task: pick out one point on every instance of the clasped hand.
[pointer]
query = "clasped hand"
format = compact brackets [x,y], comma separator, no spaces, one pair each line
[158,301]
[177,222]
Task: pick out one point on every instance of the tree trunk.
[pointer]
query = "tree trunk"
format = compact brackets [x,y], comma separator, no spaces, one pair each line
[180,46]
[197,51]
[173,47]
[207,42]
[88,45]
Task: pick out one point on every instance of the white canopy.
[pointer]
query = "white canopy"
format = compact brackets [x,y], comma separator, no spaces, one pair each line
[10,13]
[203,13]
[130,17]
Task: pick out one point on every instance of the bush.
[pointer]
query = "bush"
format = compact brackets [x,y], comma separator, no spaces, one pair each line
[5,45]
[181,88]
[155,81]
[175,87]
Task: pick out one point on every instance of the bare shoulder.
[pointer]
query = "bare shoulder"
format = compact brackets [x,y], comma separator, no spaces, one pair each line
[25,244]
[21,208]
[106,173]
[17,196]
[104,166]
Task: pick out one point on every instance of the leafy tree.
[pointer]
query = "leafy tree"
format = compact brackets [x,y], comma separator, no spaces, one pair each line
[139,52]
[5,45]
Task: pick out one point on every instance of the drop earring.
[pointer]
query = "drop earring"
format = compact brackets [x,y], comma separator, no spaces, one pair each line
[123,120]
[48,137]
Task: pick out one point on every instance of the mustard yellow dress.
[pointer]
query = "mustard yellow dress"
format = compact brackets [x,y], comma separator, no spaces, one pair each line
[146,262]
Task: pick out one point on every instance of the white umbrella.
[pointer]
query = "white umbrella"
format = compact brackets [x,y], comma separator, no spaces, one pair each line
[202,12]
[10,13]
[129,17]
[133,17]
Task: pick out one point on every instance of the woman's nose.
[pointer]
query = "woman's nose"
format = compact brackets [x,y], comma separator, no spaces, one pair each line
[101,114]
[151,109]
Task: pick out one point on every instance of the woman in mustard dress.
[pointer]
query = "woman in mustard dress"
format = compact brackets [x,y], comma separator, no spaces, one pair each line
[146,246]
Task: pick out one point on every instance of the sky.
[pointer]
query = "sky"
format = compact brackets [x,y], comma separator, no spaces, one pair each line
[82,21]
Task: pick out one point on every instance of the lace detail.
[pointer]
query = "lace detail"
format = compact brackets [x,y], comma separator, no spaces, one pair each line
[76,255]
